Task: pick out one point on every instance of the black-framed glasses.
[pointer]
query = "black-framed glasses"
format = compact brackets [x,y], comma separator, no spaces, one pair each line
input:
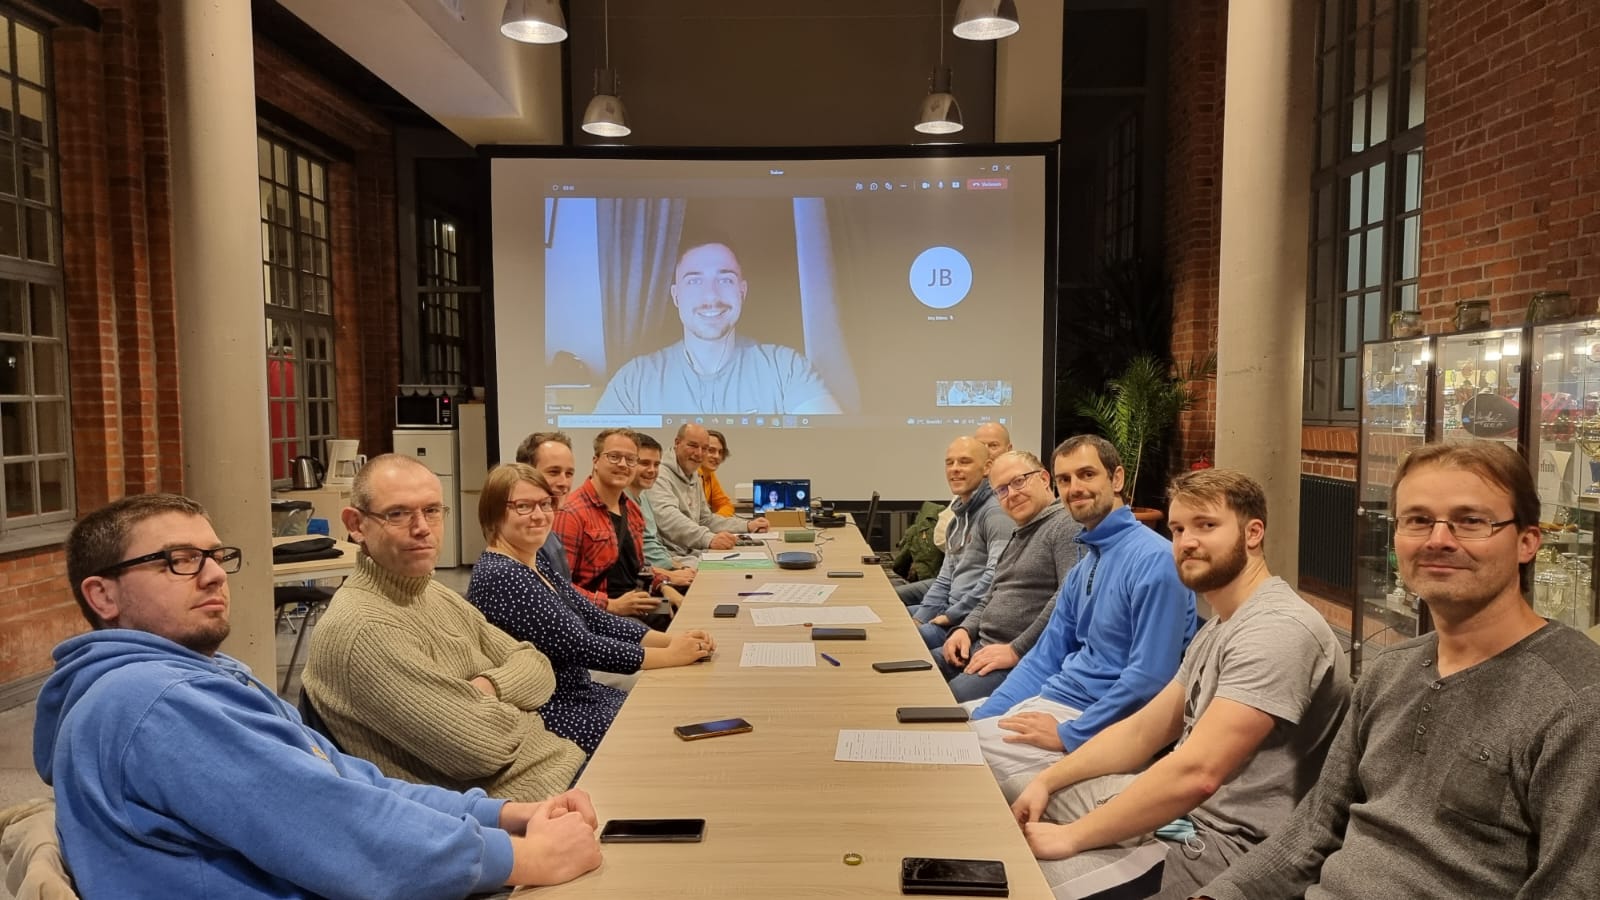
[184,560]
[400,518]
[1015,484]
[1465,528]
[526,507]
[618,458]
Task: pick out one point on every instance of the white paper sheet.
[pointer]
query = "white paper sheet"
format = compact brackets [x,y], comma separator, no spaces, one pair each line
[785,655]
[767,535]
[821,615]
[789,592]
[938,748]
[731,555]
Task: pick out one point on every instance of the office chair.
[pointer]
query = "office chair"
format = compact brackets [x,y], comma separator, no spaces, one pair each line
[289,597]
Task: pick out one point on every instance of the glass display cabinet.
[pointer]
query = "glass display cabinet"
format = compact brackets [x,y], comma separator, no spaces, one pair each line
[1563,437]
[1478,386]
[1396,415]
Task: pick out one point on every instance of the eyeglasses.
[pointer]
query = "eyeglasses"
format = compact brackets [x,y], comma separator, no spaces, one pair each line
[526,507]
[400,518]
[1465,528]
[618,458]
[1015,484]
[185,560]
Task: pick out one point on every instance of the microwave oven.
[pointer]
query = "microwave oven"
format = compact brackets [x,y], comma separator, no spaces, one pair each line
[424,411]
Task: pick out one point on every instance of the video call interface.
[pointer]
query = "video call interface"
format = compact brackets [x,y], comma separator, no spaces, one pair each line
[797,303]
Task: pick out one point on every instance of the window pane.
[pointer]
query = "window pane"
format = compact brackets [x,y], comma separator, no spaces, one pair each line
[280,164]
[1414,106]
[1326,209]
[1352,324]
[1408,296]
[35,173]
[1326,277]
[1377,187]
[30,54]
[1348,383]
[1328,138]
[10,237]
[1358,124]
[1352,263]
[13,314]
[31,119]
[51,418]
[1372,320]
[41,234]
[1413,185]
[52,485]
[1410,250]
[1380,113]
[13,368]
[1374,267]
[17,428]
[264,157]
[8,163]
[19,490]
[48,369]
[319,189]
[7,119]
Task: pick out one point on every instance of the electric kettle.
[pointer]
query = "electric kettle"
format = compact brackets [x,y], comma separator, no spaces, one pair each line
[307,472]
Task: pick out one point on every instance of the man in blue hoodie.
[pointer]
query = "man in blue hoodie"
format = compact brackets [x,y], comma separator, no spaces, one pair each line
[977,535]
[1120,626]
[177,773]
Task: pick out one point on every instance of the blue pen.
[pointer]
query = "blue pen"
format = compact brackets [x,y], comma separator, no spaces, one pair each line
[830,659]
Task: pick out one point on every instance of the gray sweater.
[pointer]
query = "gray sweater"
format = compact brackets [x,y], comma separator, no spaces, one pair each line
[684,522]
[1481,784]
[1026,579]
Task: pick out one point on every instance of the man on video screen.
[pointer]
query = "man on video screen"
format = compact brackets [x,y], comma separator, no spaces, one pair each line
[713,369]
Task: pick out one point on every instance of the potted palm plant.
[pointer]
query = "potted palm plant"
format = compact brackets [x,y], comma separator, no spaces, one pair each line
[1138,412]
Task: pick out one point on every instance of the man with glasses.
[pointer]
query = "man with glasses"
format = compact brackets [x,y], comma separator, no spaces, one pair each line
[1256,702]
[173,764]
[1466,766]
[551,453]
[407,674]
[677,572]
[602,530]
[977,536]
[678,499]
[1121,623]
[977,655]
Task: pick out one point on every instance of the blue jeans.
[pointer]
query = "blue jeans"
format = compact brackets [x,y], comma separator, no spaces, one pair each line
[911,593]
[969,687]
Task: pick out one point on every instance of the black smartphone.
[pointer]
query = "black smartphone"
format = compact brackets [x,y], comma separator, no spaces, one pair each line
[842,573]
[871,560]
[653,831]
[643,579]
[725,611]
[930,714]
[838,634]
[903,665]
[711,729]
[966,877]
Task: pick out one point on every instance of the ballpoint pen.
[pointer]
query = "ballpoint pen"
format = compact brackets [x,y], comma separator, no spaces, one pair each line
[830,659]
[755,593]
[731,556]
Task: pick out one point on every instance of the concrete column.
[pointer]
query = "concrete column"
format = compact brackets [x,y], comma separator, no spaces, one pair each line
[1266,189]
[222,373]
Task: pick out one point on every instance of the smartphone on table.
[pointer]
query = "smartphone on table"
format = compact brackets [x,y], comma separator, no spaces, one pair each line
[902,665]
[964,877]
[718,728]
[653,831]
[931,714]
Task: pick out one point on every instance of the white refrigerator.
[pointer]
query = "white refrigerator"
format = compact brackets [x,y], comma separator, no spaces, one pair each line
[437,449]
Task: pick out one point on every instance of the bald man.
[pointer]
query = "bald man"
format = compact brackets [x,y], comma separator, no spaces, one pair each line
[978,534]
[994,436]
[684,522]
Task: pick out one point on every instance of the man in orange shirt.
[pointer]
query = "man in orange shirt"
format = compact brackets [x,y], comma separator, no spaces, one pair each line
[716,454]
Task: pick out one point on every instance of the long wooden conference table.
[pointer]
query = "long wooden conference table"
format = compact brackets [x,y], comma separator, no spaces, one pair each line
[781,813]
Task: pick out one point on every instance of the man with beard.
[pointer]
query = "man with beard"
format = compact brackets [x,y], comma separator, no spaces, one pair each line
[1115,639]
[179,774]
[713,369]
[1466,767]
[1255,704]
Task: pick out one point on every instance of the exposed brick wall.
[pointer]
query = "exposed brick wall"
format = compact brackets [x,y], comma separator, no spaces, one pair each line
[1197,36]
[121,306]
[1511,170]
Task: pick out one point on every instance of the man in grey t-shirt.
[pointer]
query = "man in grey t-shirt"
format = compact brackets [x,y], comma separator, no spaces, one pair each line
[1255,704]
[1466,767]
[713,370]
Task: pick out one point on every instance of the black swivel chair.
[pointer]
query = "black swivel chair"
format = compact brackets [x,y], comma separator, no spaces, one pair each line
[872,520]
[289,598]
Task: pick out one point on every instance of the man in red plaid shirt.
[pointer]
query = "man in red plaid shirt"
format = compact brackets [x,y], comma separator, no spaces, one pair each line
[602,530]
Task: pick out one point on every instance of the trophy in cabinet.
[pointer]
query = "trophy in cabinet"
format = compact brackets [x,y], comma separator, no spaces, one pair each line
[1589,440]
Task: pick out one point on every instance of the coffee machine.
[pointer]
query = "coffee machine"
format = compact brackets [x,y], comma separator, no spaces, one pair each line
[343,462]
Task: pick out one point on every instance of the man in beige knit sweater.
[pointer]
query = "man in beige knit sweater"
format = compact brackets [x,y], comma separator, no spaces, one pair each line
[410,676]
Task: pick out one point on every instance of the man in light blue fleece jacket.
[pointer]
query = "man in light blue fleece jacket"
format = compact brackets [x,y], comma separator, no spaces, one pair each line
[978,534]
[177,773]
[1121,623]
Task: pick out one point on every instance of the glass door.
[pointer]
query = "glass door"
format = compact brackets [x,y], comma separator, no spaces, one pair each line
[1564,450]
[1395,417]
